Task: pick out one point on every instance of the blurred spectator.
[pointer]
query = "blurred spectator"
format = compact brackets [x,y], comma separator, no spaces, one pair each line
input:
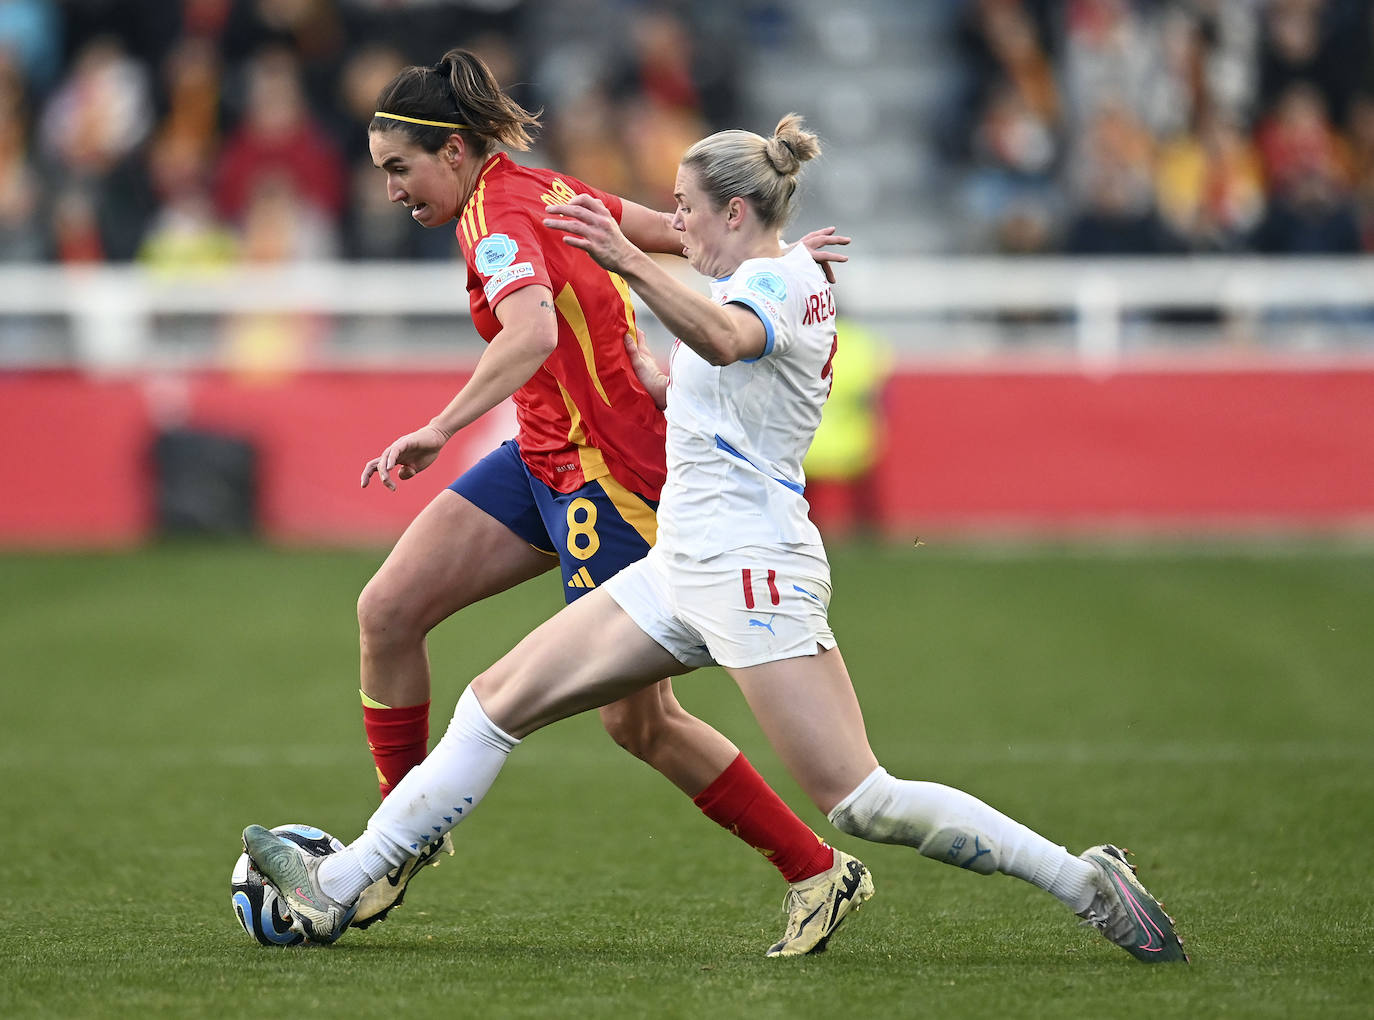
[1014,144]
[101,112]
[23,233]
[278,226]
[1320,43]
[185,234]
[660,103]
[1109,57]
[586,141]
[186,237]
[1362,165]
[654,137]
[1015,152]
[1307,163]
[1210,187]
[988,35]
[191,76]
[31,33]
[312,31]
[673,63]
[1175,97]
[92,130]
[1014,138]
[1116,212]
[279,137]
[1297,139]
[1015,49]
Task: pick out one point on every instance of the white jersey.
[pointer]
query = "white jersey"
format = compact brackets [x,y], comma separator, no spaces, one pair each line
[737,434]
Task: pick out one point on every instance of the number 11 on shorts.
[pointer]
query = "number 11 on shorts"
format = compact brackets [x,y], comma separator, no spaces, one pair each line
[747,577]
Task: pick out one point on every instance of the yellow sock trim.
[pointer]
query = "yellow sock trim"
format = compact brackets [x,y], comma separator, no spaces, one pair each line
[370,702]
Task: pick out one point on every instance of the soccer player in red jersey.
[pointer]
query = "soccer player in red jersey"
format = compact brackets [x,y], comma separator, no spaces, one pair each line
[579,485]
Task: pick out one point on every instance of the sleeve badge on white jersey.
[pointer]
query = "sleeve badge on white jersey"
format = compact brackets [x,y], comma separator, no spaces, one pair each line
[494,253]
[769,285]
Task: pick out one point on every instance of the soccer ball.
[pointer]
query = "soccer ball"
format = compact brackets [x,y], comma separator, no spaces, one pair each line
[256,904]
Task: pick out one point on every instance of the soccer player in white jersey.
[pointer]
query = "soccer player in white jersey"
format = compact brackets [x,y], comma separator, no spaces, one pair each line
[739,577]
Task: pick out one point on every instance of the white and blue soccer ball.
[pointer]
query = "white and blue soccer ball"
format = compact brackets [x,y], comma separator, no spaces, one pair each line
[256,904]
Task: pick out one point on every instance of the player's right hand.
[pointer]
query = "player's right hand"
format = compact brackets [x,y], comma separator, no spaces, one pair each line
[407,456]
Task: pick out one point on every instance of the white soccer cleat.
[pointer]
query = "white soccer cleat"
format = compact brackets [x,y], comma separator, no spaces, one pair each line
[385,894]
[818,905]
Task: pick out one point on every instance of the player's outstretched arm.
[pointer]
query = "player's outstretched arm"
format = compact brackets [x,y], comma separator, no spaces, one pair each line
[649,230]
[720,334]
[652,231]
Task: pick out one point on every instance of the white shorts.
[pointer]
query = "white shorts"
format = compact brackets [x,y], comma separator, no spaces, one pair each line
[738,608]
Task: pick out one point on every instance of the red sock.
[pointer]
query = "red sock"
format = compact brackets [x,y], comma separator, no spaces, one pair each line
[398,739]
[739,800]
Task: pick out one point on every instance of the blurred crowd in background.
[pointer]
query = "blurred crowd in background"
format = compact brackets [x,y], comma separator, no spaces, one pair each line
[204,132]
[1112,127]
[199,132]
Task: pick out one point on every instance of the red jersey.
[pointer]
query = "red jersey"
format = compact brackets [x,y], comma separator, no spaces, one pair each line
[584,413]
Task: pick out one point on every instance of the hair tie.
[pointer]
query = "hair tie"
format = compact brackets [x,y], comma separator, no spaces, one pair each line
[441,68]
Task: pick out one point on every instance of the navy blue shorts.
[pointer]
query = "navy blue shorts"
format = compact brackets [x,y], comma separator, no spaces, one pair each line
[594,531]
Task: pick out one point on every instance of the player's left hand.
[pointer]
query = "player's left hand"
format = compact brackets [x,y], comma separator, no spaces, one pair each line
[650,376]
[816,243]
[587,224]
[407,456]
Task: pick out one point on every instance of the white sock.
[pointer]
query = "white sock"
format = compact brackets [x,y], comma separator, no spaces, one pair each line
[433,797]
[949,825]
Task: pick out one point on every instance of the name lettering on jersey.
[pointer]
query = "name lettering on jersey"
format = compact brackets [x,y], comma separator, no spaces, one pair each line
[558,193]
[819,307]
[516,272]
[495,252]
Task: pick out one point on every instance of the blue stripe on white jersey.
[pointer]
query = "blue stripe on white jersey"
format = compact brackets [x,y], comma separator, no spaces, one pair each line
[771,336]
[723,445]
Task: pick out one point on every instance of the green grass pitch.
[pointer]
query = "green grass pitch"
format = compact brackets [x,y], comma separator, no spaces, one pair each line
[1212,709]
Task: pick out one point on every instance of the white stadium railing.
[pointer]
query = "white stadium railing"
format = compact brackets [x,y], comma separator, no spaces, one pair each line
[1100,310]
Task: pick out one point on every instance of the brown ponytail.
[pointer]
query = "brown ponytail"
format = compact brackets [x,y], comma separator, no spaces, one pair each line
[459,93]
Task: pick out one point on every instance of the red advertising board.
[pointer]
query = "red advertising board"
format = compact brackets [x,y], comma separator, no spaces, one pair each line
[979,450]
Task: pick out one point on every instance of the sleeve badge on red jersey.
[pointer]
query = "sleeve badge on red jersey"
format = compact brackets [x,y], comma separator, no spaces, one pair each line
[494,253]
